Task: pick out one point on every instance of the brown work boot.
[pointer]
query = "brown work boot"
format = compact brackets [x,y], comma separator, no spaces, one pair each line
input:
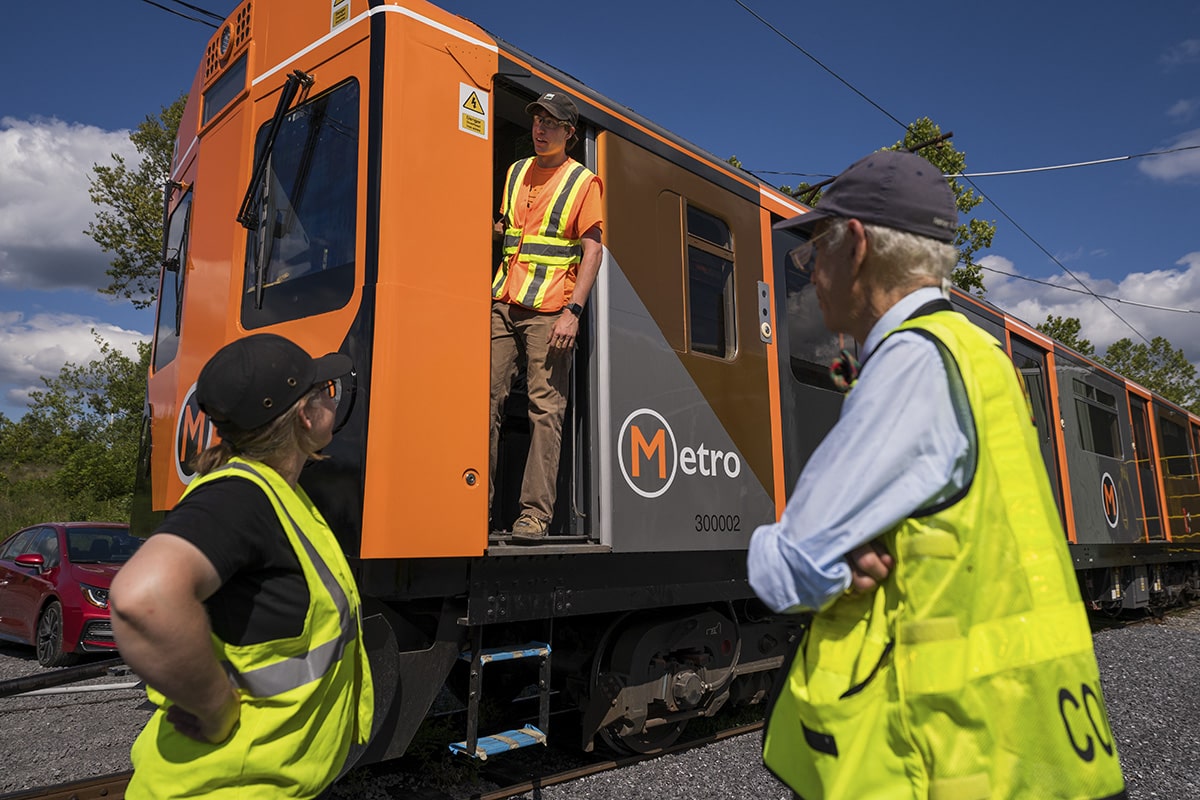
[530,528]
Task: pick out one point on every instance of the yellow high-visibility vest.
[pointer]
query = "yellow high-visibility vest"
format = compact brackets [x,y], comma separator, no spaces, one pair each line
[538,277]
[969,674]
[305,699]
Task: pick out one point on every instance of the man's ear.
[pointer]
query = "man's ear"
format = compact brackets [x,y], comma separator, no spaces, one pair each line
[303,415]
[857,241]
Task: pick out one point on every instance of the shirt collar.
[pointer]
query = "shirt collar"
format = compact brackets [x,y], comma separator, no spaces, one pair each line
[896,315]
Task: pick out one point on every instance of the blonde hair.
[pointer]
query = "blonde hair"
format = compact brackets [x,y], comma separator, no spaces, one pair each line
[266,443]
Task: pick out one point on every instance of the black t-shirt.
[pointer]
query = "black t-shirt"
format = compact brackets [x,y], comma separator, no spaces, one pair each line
[263,594]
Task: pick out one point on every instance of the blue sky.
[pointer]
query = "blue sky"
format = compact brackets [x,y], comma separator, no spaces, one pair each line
[1021,84]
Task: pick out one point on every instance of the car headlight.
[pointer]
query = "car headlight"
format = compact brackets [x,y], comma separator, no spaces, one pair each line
[95,596]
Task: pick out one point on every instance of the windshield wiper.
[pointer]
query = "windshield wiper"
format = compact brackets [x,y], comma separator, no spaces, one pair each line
[258,178]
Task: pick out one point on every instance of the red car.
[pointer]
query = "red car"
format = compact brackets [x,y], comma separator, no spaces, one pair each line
[54,581]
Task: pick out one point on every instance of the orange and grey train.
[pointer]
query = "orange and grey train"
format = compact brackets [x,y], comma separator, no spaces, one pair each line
[335,182]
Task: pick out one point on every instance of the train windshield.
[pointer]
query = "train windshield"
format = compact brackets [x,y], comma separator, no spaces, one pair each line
[300,259]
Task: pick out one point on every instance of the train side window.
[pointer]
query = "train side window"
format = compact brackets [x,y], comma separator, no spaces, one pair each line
[812,348]
[1176,457]
[1098,429]
[300,260]
[170,293]
[711,310]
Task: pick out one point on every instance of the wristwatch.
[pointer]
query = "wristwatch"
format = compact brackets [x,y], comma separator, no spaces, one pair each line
[575,309]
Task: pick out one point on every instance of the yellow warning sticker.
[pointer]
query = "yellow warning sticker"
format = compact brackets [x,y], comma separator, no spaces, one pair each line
[472,104]
[473,110]
[339,13]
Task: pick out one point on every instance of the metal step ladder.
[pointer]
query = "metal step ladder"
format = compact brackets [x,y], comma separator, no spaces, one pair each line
[482,747]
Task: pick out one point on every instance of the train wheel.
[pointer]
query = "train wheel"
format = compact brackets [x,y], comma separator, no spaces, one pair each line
[637,731]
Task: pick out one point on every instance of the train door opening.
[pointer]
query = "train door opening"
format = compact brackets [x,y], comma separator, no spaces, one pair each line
[513,141]
[1146,470]
[809,399]
[1031,364]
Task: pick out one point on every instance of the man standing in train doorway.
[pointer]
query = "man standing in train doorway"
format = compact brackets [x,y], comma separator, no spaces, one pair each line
[551,223]
[950,655]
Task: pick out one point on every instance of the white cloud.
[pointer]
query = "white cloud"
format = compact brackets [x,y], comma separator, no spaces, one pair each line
[1183,109]
[40,345]
[44,202]
[1186,52]
[1185,164]
[1151,291]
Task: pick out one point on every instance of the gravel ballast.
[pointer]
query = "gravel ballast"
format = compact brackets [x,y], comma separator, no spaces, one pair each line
[1150,674]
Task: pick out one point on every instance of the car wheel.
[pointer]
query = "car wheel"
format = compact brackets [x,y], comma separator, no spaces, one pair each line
[49,638]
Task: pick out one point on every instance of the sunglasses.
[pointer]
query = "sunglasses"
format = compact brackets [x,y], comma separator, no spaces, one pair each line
[332,389]
[805,255]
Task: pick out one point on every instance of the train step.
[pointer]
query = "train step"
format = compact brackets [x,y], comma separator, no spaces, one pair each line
[490,655]
[478,657]
[501,742]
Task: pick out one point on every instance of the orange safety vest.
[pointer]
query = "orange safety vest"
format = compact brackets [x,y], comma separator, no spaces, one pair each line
[542,273]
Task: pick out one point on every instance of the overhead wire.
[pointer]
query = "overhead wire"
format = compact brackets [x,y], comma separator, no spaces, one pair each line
[1080,291]
[185,16]
[889,115]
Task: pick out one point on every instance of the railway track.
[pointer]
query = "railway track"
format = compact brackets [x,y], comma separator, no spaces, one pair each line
[512,783]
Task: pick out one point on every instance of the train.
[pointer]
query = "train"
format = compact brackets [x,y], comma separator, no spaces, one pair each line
[336,175]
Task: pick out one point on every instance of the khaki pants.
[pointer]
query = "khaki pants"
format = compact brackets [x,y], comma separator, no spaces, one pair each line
[520,333]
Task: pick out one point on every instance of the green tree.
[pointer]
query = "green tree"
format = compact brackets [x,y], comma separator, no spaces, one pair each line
[129,221]
[973,234]
[1159,367]
[1067,330]
[74,452]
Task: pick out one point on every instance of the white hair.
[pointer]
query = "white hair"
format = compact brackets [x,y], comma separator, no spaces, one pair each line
[906,257]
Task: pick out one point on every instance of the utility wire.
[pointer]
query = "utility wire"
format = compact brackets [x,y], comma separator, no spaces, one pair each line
[1003,172]
[1003,213]
[181,14]
[205,12]
[1081,291]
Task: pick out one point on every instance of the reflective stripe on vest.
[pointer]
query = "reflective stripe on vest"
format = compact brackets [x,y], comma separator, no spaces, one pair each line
[543,255]
[296,671]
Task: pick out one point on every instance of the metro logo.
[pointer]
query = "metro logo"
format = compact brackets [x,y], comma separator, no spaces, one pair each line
[194,433]
[644,441]
[650,456]
[1108,491]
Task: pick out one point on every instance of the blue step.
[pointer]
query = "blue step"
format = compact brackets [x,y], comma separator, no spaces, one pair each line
[491,654]
[502,742]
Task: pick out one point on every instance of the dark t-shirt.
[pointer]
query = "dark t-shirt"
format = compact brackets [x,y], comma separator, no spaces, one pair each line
[263,594]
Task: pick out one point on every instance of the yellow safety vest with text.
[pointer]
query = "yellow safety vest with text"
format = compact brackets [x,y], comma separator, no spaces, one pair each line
[537,277]
[305,699]
[969,674]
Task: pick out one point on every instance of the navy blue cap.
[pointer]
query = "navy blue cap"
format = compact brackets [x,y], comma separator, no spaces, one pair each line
[892,188]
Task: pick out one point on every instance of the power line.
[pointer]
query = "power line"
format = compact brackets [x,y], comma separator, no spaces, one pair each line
[1080,291]
[1006,171]
[181,14]
[1002,212]
[205,12]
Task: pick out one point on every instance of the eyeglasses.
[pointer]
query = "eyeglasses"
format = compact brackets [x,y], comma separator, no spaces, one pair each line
[805,255]
[332,389]
[550,122]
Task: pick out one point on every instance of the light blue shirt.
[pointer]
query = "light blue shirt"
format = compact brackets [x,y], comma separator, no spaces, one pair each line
[897,446]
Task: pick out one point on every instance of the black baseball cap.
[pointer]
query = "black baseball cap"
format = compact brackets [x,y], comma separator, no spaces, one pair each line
[892,188]
[250,382]
[558,104]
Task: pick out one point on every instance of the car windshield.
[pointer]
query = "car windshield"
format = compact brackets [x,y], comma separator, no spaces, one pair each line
[101,545]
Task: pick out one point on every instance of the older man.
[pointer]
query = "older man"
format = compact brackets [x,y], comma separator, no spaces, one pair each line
[949,655]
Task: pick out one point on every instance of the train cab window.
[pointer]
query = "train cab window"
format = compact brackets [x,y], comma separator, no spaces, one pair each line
[811,346]
[170,293]
[1098,429]
[300,256]
[710,302]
